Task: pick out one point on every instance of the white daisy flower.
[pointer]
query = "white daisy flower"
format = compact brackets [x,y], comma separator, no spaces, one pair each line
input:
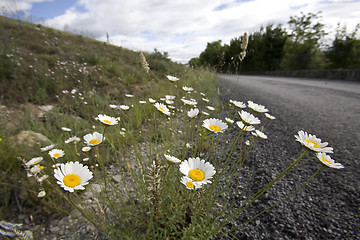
[215,125]
[93,139]
[129,95]
[187,89]
[122,133]
[72,176]
[162,108]
[257,107]
[56,153]
[41,194]
[34,161]
[269,116]
[72,139]
[86,149]
[197,170]
[202,94]
[168,101]
[172,107]
[42,178]
[170,97]
[36,169]
[107,120]
[47,148]
[66,129]
[328,161]
[312,143]
[238,104]
[189,102]
[142,102]
[193,112]
[229,120]
[243,127]
[86,159]
[172,159]
[124,107]
[113,106]
[210,108]
[152,100]
[205,99]
[248,118]
[205,113]
[172,78]
[189,183]
[259,134]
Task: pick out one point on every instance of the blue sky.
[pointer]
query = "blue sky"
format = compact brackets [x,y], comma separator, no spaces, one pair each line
[180,27]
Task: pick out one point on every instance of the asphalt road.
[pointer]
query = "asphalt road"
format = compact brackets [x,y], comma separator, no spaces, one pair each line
[329,208]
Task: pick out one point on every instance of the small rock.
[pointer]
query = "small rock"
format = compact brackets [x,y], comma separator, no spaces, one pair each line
[117,178]
[55,229]
[29,139]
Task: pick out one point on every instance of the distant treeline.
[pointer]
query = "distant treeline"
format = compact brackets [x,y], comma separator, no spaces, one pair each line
[275,48]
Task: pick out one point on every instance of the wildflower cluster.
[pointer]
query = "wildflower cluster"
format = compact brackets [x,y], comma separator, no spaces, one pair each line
[197,169]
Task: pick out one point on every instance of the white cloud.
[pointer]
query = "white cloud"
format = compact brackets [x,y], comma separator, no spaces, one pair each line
[183,27]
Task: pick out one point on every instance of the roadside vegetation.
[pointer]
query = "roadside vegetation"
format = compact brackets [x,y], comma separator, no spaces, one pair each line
[138,146]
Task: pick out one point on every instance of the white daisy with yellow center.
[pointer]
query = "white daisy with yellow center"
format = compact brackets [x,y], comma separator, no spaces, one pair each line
[189,102]
[124,107]
[244,127]
[172,159]
[312,143]
[66,129]
[189,183]
[248,118]
[162,108]
[257,108]
[72,176]
[210,108]
[86,149]
[93,139]
[328,161]
[193,112]
[107,120]
[238,104]
[197,170]
[34,161]
[152,100]
[56,153]
[215,125]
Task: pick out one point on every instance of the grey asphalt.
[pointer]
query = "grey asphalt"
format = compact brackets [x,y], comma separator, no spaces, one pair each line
[329,109]
[320,107]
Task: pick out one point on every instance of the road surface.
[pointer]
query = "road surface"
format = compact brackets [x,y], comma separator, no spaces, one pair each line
[329,207]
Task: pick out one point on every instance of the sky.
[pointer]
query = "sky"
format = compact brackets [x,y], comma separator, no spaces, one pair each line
[182,28]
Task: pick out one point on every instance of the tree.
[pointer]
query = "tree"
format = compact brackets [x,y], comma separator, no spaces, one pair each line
[212,55]
[302,48]
[345,50]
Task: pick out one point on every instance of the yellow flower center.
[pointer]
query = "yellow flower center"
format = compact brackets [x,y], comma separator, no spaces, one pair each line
[161,109]
[315,144]
[190,185]
[71,180]
[37,161]
[107,121]
[94,141]
[327,161]
[215,128]
[41,167]
[56,155]
[196,175]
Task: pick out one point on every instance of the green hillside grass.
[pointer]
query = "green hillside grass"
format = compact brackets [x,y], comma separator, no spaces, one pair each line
[41,66]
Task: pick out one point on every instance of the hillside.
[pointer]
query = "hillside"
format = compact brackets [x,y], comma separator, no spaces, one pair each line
[51,79]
